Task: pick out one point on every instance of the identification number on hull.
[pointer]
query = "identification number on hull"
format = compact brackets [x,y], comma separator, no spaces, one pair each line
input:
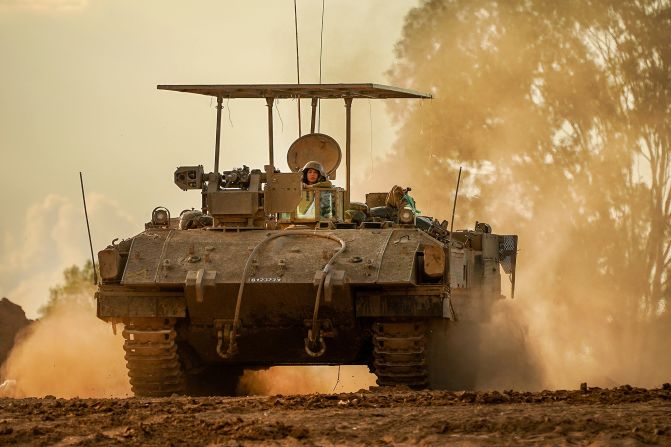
[273,279]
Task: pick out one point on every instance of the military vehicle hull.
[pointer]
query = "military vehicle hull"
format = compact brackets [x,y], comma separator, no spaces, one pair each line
[176,293]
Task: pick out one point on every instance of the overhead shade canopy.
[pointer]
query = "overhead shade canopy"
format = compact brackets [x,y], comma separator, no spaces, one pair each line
[322,91]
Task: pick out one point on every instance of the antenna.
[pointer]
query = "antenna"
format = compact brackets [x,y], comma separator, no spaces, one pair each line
[454,205]
[321,50]
[88,229]
[298,68]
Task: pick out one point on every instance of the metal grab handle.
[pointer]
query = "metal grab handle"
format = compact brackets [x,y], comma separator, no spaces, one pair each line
[312,334]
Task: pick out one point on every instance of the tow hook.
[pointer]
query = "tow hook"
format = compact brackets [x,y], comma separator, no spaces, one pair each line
[315,346]
[224,332]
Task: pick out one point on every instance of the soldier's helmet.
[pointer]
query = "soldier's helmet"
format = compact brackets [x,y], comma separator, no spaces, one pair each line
[316,166]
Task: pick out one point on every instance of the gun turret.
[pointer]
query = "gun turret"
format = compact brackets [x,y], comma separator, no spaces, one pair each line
[193,177]
[240,177]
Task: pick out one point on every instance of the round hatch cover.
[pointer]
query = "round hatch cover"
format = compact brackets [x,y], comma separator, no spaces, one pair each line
[315,147]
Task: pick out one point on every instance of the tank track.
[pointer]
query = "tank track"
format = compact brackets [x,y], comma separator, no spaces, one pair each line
[399,352]
[152,360]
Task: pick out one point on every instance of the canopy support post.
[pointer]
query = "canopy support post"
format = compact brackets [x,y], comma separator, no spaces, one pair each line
[269,103]
[218,136]
[314,115]
[348,141]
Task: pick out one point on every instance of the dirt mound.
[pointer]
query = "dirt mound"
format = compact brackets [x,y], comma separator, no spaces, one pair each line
[12,320]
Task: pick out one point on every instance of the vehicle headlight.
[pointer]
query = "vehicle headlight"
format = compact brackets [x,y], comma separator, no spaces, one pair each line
[406,216]
[160,216]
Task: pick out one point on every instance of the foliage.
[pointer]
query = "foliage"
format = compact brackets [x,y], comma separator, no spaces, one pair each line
[77,286]
[560,113]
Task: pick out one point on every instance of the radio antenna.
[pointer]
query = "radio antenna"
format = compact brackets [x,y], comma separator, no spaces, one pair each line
[88,229]
[321,50]
[454,205]
[298,67]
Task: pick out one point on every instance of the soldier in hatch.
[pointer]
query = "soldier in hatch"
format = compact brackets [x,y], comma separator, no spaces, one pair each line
[314,176]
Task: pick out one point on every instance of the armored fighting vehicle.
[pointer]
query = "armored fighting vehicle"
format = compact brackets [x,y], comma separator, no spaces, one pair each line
[271,272]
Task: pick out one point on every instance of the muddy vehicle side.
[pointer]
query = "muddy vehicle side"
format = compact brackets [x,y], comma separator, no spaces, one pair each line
[270,272]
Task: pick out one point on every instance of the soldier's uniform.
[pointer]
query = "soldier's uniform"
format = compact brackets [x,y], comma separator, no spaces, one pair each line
[322,182]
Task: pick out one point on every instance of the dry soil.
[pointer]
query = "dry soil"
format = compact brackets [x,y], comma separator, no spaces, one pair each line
[625,416]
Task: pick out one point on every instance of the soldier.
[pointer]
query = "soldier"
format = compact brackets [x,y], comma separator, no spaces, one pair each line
[314,176]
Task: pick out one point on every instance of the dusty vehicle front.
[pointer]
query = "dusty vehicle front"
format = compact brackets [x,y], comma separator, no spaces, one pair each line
[271,272]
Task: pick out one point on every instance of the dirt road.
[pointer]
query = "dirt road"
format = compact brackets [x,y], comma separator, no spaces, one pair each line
[623,416]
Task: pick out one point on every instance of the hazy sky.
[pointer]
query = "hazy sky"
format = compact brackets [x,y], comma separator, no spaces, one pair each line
[78,93]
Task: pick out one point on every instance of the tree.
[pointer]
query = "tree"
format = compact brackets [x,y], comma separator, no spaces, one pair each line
[77,286]
[559,111]
[538,97]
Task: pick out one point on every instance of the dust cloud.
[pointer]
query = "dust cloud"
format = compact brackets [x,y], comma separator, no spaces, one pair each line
[529,108]
[577,328]
[579,331]
[306,380]
[68,353]
[564,327]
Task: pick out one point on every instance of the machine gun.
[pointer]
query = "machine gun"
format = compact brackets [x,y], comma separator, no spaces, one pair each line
[239,177]
[193,177]
[433,228]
